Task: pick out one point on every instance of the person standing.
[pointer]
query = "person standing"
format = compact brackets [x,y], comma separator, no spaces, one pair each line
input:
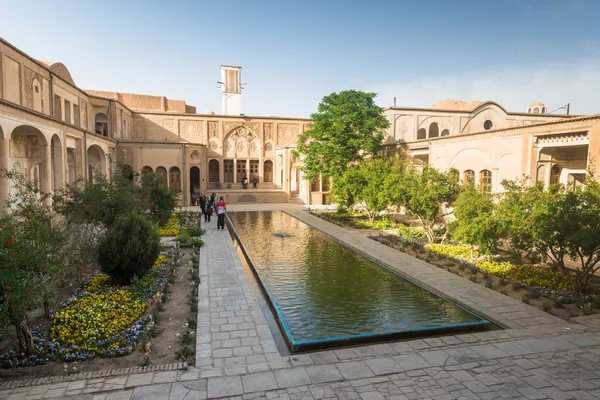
[208,209]
[221,208]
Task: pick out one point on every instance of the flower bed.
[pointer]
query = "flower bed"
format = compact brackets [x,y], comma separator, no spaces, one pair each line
[97,320]
[455,251]
[172,227]
[525,274]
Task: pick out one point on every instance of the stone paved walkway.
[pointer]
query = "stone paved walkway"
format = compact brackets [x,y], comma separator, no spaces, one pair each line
[536,356]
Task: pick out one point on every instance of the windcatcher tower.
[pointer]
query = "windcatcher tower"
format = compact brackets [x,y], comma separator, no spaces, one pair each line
[231,89]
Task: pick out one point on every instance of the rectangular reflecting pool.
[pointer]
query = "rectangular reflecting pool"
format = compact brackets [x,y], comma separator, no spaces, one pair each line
[324,294]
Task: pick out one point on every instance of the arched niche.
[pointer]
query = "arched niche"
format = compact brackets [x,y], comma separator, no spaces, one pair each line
[28,148]
[175,179]
[101,124]
[96,162]
[421,134]
[434,130]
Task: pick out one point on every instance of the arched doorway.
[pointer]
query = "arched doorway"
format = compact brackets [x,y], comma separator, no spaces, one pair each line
[175,180]
[268,171]
[213,171]
[96,160]
[194,181]
[56,154]
[161,174]
[28,150]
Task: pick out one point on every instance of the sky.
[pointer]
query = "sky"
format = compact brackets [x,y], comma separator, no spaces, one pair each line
[295,52]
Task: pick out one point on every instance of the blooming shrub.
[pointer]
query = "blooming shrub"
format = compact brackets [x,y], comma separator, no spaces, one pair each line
[456,251]
[526,274]
[411,232]
[96,317]
[172,227]
[95,283]
[161,259]
[98,320]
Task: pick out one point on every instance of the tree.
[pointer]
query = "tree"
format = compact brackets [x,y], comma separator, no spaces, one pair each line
[476,222]
[104,200]
[424,193]
[366,182]
[347,127]
[556,224]
[128,248]
[29,248]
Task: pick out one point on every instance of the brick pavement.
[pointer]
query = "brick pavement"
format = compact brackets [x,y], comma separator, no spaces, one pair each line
[537,356]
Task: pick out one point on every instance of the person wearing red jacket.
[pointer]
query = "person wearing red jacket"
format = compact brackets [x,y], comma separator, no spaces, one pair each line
[221,208]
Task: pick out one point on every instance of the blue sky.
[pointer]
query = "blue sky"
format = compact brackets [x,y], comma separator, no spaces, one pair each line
[295,52]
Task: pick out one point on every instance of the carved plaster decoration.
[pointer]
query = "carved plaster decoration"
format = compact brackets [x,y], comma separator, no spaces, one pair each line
[213,129]
[269,146]
[195,155]
[287,134]
[253,146]
[125,155]
[214,146]
[229,126]
[566,138]
[268,127]
[192,131]
[28,92]
[167,124]
[228,146]
[83,113]
[18,146]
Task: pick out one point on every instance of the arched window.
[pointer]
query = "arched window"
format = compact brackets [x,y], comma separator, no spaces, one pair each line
[127,171]
[543,110]
[485,181]
[536,110]
[421,134]
[268,171]
[101,124]
[146,170]
[469,177]
[445,132]
[555,175]
[434,130]
[175,180]
[161,174]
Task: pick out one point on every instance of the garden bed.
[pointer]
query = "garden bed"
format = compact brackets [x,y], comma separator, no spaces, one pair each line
[170,324]
[532,285]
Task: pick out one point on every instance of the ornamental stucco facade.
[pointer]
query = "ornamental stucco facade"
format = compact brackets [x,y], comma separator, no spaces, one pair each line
[55,133]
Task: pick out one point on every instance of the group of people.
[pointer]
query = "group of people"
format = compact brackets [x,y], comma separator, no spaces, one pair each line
[211,204]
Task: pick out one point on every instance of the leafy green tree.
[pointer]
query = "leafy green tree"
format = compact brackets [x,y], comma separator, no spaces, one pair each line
[347,127]
[556,224]
[423,193]
[104,200]
[366,182]
[29,248]
[476,222]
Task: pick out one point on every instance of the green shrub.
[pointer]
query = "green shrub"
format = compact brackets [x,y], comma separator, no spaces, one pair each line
[128,249]
[194,230]
[409,232]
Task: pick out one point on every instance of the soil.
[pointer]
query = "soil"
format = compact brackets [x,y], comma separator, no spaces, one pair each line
[164,346]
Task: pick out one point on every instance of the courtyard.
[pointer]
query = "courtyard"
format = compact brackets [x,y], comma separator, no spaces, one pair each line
[240,353]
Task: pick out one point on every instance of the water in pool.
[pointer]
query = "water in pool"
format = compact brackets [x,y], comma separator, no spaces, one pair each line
[324,291]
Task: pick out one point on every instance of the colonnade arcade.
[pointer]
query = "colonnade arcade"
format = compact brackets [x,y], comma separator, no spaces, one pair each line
[48,158]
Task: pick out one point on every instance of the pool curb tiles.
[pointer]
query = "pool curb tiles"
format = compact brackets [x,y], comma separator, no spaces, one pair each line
[362,338]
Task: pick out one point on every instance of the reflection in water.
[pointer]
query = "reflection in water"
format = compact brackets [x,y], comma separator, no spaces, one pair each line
[325,290]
